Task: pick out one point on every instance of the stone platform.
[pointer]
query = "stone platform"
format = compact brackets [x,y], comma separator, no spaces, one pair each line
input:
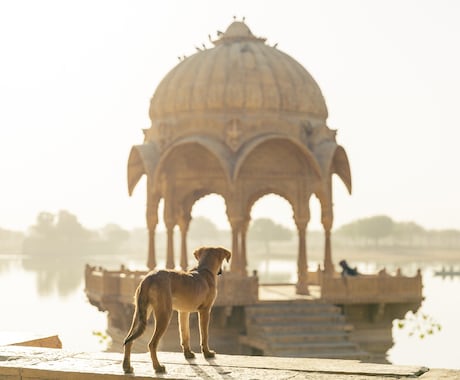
[18,363]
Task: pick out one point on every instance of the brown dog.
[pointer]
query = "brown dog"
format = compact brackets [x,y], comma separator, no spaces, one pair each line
[167,290]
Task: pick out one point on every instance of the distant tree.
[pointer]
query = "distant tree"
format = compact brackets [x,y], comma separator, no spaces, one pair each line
[407,233]
[373,228]
[44,226]
[115,234]
[69,228]
[57,233]
[266,230]
[377,227]
[10,241]
[202,229]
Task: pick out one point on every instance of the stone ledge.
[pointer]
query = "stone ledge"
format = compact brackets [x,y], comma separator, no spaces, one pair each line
[42,363]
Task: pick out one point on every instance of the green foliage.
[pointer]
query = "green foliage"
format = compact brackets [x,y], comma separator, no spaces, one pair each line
[63,233]
[63,226]
[266,230]
[114,233]
[419,325]
[373,228]
[202,228]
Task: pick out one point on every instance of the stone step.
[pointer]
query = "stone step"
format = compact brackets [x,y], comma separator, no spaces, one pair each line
[312,337]
[296,318]
[291,308]
[313,347]
[306,329]
[349,355]
[296,328]
[333,351]
[301,326]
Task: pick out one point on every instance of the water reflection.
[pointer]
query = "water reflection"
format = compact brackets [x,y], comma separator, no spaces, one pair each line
[53,287]
[5,265]
[55,274]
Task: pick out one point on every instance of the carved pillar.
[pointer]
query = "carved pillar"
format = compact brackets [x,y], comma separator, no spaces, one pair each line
[184,224]
[170,219]
[302,264]
[151,259]
[326,221]
[238,264]
[152,221]
[170,245]
[244,233]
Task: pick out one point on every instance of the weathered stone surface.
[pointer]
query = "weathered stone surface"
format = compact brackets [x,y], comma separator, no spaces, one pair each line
[41,363]
[29,339]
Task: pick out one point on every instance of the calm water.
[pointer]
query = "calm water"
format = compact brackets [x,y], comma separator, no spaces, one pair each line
[38,297]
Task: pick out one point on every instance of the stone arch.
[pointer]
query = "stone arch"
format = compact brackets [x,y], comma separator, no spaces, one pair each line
[188,170]
[257,143]
[254,197]
[215,149]
[187,203]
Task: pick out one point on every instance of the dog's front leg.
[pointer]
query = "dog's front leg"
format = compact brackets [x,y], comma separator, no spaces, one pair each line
[184,329]
[204,326]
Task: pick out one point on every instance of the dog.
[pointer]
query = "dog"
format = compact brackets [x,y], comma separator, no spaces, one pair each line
[166,290]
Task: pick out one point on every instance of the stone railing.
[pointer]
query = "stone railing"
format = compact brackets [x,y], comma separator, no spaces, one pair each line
[379,288]
[103,286]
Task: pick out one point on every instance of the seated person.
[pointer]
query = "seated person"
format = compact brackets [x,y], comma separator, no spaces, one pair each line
[347,270]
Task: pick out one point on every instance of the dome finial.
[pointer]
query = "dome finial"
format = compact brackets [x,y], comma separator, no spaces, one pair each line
[237,31]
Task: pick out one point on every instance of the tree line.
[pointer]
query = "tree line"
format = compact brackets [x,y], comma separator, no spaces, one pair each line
[62,231]
[383,231]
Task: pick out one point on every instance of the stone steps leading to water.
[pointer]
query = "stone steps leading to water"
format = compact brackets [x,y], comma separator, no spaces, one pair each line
[305,329]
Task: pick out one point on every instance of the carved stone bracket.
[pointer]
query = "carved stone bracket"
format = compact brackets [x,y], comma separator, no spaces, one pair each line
[165,135]
[233,133]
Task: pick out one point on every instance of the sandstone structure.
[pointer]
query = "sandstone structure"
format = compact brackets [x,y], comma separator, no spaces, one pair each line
[241,119]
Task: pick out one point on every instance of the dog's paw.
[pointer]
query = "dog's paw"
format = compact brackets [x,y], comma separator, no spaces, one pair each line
[209,354]
[189,354]
[128,369]
[160,369]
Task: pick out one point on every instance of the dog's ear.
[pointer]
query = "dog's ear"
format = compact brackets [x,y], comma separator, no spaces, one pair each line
[198,252]
[227,254]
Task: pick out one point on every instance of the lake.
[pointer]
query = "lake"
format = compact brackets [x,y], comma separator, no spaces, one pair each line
[38,296]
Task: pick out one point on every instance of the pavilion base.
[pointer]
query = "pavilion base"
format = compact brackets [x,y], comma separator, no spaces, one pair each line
[235,289]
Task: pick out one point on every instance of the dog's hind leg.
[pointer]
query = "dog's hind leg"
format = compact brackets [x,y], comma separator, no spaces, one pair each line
[204,316]
[184,329]
[138,325]
[163,313]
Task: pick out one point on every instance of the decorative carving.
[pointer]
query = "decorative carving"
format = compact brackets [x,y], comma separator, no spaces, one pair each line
[164,135]
[233,133]
[319,134]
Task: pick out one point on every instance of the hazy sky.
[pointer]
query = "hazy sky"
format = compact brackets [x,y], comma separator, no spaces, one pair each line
[76,78]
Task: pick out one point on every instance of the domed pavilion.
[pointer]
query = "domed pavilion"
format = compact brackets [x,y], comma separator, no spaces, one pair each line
[241,119]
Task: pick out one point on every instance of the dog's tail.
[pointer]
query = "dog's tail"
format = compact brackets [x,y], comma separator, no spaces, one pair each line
[140,314]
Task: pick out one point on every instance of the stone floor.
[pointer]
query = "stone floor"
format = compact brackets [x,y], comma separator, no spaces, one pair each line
[43,363]
[286,292]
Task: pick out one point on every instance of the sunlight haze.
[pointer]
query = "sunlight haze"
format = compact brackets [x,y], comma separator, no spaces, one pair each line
[76,78]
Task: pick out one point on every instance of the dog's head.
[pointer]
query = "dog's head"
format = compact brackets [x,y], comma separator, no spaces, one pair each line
[212,258]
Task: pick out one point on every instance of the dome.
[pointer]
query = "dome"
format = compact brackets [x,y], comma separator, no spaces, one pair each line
[240,73]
